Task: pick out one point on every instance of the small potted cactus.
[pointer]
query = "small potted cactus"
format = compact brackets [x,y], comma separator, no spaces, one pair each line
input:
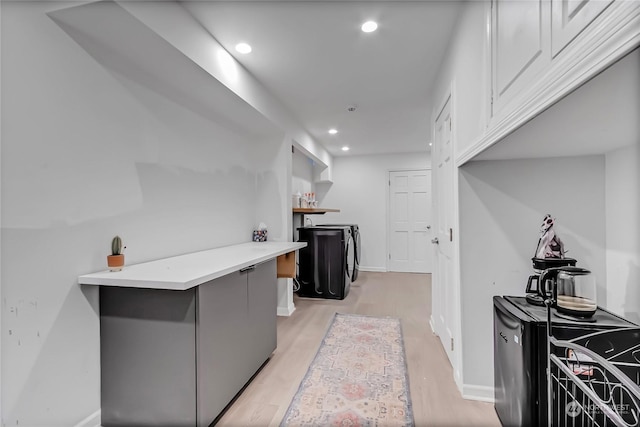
[115,261]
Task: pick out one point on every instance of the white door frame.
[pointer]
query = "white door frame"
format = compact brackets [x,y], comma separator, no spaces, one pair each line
[388,208]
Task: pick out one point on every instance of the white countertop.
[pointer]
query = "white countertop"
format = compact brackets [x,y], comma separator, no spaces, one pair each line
[183,272]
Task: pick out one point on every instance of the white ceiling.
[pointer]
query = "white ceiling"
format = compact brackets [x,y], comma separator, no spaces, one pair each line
[313,56]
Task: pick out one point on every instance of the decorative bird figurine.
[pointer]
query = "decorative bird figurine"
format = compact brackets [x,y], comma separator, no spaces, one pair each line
[549,244]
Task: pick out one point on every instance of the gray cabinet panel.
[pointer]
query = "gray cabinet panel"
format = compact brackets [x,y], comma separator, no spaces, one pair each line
[222,331]
[147,350]
[263,296]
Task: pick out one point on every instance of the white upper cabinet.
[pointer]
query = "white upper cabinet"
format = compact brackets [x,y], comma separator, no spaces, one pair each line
[570,17]
[542,50]
[520,46]
[536,44]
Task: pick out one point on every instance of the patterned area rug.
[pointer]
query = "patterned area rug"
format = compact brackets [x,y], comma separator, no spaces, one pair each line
[358,377]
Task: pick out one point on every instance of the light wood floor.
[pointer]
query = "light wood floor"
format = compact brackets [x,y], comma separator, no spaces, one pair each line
[435,398]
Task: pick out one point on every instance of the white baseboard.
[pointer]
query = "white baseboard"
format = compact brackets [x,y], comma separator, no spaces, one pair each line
[477,392]
[433,328]
[374,269]
[457,377]
[93,420]
[286,311]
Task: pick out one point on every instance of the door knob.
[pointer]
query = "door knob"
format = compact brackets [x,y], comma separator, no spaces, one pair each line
[435,241]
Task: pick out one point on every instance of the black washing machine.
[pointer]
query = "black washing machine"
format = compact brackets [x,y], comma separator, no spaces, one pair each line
[324,265]
[355,259]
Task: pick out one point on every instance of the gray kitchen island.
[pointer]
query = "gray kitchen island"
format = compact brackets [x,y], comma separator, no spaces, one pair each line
[181,336]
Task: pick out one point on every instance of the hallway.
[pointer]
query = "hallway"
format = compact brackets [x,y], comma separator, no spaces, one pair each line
[435,399]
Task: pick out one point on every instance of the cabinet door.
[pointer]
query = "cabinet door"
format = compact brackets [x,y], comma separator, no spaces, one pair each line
[147,357]
[222,343]
[520,46]
[263,302]
[570,17]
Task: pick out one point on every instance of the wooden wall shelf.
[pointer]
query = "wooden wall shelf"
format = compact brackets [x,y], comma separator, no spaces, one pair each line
[314,211]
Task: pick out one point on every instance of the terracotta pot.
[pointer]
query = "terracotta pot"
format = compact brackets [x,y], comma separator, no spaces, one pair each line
[115,262]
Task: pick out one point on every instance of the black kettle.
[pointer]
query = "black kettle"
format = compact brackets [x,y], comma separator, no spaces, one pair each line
[572,290]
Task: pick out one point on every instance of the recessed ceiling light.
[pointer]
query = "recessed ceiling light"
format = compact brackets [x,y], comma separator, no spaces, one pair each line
[333,131]
[243,48]
[345,148]
[430,144]
[369,26]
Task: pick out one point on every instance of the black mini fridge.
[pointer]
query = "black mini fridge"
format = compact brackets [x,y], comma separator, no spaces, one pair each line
[520,355]
[323,267]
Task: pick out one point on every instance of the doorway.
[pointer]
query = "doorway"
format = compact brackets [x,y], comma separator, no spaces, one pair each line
[409,224]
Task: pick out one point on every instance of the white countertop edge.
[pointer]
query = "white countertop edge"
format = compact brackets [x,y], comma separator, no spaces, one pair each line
[120,279]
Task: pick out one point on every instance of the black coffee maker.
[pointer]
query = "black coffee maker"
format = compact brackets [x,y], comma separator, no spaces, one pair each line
[535,289]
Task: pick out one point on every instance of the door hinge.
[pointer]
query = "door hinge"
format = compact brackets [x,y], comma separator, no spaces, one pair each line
[451,344]
[451,234]
[389,256]
[389,183]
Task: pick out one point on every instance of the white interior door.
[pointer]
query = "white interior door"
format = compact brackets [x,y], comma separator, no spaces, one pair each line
[410,221]
[443,284]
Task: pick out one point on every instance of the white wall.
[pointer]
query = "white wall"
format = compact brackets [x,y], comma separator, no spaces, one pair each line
[176,25]
[465,71]
[274,168]
[360,191]
[623,231]
[502,204]
[173,22]
[302,175]
[87,154]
